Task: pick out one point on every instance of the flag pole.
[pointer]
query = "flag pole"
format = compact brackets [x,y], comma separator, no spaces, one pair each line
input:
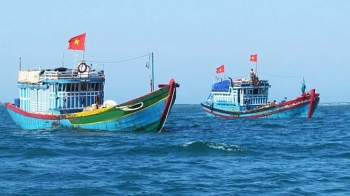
[256,67]
[83,54]
[75,59]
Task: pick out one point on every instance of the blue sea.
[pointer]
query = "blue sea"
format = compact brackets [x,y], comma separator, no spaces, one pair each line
[194,155]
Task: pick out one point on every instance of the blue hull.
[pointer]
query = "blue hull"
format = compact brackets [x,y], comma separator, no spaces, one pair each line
[294,110]
[146,113]
[142,120]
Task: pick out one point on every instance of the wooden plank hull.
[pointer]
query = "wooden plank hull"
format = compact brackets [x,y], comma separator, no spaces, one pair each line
[146,113]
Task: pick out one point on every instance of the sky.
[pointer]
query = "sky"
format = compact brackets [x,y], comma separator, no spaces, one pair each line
[189,40]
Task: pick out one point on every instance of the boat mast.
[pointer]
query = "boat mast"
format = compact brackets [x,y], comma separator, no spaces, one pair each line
[152,72]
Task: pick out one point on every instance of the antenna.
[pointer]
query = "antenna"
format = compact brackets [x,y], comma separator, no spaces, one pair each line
[151,70]
[20,64]
[63,60]
[152,80]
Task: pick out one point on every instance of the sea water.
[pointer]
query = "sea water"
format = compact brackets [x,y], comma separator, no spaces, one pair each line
[194,155]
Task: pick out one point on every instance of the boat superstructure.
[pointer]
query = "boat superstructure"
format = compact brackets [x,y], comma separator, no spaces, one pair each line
[60,90]
[238,95]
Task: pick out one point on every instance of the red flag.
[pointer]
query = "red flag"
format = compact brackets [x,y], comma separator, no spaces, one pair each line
[254,57]
[220,69]
[77,42]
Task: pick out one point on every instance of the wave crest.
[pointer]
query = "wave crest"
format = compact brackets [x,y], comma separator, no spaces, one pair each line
[208,146]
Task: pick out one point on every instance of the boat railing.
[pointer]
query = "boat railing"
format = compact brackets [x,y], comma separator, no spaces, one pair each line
[243,81]
[54,75]
[37,106]
[255,100]
[224,97]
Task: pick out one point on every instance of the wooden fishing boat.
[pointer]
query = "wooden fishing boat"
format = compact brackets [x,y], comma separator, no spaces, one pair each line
[74,98]
[248,98]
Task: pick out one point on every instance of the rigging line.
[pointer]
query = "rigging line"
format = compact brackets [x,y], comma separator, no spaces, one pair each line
[68,64]
[106,62]
[280,75]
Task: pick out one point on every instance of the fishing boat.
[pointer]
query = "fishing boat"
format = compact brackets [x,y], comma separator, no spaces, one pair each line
[249,98]
[74,99]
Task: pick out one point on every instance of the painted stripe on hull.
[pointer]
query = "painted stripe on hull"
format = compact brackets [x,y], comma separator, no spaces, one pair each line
[17,110]
[26,122]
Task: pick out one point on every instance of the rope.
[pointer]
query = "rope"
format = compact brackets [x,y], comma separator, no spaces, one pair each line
[119,61]
[284,76]
[110,62]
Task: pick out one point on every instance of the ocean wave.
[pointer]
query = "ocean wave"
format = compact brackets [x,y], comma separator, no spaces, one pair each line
[334,103]
[205,146]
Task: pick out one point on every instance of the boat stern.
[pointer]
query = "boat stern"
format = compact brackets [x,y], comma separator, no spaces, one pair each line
[169,102]
[314,100]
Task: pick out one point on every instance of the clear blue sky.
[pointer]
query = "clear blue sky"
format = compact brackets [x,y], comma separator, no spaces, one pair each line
[189,39]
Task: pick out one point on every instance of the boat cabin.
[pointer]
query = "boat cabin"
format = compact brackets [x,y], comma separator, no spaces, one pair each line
[240,94]
[59,91]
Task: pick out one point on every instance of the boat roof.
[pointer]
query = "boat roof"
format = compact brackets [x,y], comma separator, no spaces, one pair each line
[221,86]
[224,85]
[37,76]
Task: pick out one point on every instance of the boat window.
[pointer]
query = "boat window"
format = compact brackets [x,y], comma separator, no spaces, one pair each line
[97,86]
[68,87]
[74,88]
[91,86]
[60,87]
[256,91]
[83,86]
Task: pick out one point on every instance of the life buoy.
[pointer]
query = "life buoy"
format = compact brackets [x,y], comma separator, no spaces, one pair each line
[82,67]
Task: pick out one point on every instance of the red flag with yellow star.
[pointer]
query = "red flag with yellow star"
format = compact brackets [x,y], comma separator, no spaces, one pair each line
[220,69]
[254,57]
[77,42]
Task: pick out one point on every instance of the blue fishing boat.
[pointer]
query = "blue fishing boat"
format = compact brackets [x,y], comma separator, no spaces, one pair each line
[249,98]
[74,99]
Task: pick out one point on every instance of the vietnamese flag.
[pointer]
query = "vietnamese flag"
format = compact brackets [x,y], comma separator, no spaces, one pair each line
[220,69]
[77,42]
[254,58]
